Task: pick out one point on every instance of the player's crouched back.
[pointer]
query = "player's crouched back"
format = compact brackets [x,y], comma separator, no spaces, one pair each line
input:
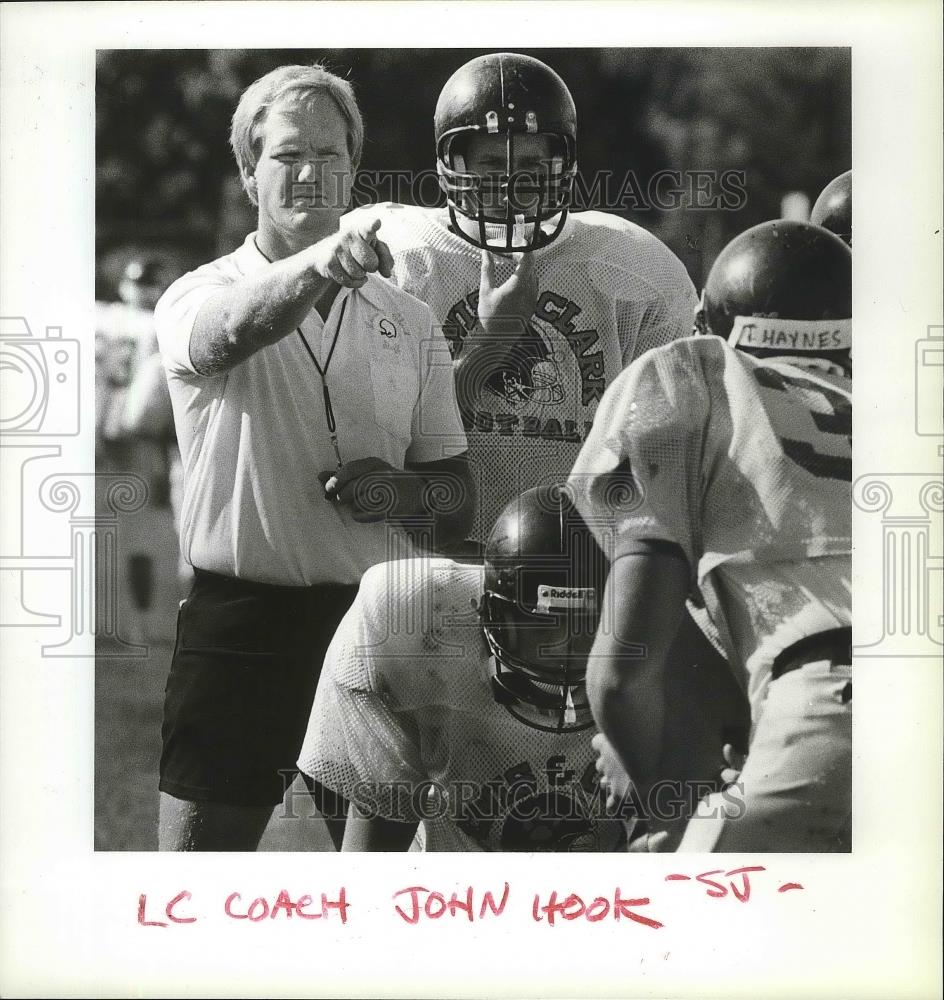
[453,695]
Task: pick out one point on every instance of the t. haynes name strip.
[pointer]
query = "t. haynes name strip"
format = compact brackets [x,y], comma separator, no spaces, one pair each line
[791,334]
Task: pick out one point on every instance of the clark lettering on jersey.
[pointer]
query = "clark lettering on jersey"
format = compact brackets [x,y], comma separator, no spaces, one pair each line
[557,311]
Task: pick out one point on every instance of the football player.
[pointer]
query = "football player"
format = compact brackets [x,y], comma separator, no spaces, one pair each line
[833,207]
[454,695]
[134,433]
[542,307]
[739,444]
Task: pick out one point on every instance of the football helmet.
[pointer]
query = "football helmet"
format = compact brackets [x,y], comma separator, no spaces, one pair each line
[782,288]
[544,582]
[833,208]
[508,95]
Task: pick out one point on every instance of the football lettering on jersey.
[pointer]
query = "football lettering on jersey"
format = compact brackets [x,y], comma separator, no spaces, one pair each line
[507,424]
[556,814]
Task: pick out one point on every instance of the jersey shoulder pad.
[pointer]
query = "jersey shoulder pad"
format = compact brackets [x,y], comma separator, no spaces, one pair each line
[658,399]
[618,231]
[412,607]
[628,247]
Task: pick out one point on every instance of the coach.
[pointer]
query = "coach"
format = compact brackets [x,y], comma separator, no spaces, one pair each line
[317,420]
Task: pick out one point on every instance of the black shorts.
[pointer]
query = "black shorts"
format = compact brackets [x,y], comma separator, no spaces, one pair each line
[241,686]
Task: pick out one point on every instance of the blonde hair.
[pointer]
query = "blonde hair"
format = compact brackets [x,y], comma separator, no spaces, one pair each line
[302,83]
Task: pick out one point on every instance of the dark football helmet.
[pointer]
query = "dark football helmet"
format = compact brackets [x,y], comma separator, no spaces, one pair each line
[509,95]
[833,208]
[782,288]
[544,582]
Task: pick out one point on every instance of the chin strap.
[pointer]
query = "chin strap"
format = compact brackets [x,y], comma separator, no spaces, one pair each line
[506,692]
[570,711]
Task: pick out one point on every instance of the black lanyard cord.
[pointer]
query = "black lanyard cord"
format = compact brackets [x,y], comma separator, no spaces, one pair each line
[322,372]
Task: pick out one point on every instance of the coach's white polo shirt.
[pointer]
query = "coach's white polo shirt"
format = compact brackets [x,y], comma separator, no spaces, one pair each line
[254,439]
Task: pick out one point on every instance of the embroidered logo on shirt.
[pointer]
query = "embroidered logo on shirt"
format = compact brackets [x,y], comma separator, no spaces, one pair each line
[387,327]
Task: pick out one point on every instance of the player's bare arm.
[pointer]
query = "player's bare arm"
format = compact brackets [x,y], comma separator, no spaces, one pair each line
[642,612]
[376,833]
[265,307]
[373,490]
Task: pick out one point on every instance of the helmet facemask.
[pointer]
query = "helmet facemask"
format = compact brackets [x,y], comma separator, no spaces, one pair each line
[700,327]
[511,210]
[540,654]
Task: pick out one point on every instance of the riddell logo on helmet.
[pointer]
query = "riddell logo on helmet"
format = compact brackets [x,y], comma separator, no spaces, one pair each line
[565,597]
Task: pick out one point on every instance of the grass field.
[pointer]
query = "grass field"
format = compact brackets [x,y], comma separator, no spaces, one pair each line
[129,697]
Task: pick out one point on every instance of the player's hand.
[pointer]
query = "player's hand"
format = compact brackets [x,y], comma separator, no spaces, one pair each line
[508,307]
[660,842]
[735,764]
[373,490]
[663,841]
[613,777]
[348,256]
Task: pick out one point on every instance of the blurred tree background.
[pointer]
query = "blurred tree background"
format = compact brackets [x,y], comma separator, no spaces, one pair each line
[166,180]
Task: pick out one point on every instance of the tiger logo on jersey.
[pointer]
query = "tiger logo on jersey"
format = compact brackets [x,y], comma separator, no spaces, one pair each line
[530,374]
[527,373]
[531,371]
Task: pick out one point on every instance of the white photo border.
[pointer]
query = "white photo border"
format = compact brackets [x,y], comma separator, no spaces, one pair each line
[865,925]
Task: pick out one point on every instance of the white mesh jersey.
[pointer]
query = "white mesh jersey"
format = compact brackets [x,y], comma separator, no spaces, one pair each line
[608,290]
[745,464]
[404,714]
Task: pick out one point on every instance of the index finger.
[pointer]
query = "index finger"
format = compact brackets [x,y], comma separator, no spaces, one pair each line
[488,270]
[524,264]
[385,258]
